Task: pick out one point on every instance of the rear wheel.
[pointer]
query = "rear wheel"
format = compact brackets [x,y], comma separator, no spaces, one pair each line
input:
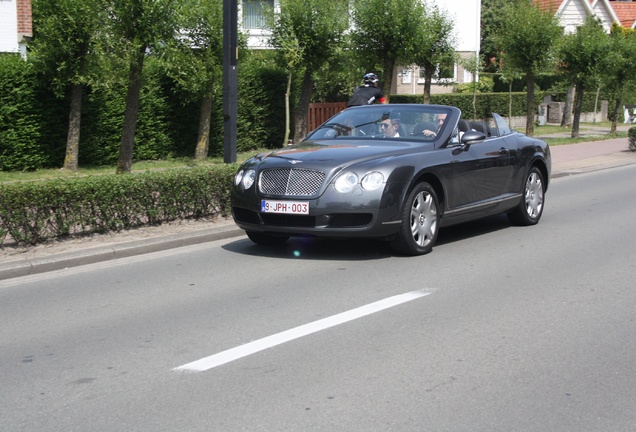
[266,239]
[530,209]
[420,222]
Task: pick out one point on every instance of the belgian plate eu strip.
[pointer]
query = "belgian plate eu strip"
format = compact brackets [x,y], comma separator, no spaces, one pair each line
[298,332]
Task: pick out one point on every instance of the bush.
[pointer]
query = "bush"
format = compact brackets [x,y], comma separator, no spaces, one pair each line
[34,212]
[631,138]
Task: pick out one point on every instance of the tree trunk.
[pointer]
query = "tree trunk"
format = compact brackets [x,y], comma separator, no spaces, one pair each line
[598,91]
[74,122]
[300,123]
[566,119]
[614,116]
[578,105]
[510,102]
[124,165]
[387,74]
[287,112]
[530,104]
[203,141]
[428,78]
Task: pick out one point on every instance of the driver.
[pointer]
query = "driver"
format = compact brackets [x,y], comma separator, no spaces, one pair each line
[390,128]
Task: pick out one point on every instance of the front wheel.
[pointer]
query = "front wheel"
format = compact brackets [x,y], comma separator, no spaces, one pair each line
[420,222]
[530,209]
[266,239]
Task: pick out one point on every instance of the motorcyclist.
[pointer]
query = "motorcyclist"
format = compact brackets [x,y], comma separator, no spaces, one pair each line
[368,93]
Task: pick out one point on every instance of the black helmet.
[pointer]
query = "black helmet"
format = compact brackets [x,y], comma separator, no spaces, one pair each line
[370,78]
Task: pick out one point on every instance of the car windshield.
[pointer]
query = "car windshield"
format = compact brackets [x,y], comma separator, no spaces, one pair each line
[417,122]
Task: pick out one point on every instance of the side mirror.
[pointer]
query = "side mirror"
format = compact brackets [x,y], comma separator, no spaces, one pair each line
[472,136]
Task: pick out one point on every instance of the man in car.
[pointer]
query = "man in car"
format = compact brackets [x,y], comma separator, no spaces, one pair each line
[390,128]
[368,93]
[439,121]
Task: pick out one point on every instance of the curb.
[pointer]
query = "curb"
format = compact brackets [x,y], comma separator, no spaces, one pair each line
[123,250]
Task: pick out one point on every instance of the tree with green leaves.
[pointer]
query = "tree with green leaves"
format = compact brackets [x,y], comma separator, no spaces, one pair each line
[527,43]
[195,61]
[137,28]
[617,76]
[291,54]
[491,22]
[435,45]
[63,49]
[309,32]
[386,33]
[582,58]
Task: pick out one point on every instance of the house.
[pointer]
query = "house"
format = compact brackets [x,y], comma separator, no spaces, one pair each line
[572,13]
[15,26]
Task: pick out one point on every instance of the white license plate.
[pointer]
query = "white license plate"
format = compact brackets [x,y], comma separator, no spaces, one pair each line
[288,207]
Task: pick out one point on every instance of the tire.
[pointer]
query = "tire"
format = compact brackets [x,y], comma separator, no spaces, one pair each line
[266,239]
[420,222]
[530,209]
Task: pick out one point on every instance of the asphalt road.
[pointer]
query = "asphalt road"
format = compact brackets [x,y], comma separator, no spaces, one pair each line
[500,328]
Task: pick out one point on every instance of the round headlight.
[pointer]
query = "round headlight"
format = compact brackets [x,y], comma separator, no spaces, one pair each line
[238,177]
[248,179]
[346,182]
[372,180]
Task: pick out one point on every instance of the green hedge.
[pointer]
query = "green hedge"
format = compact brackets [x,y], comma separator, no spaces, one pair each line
[21,117]
[34,212]
[631,138]
[487,103]
[33,121]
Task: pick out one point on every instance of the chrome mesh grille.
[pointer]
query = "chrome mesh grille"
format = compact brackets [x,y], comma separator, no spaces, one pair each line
[290,181]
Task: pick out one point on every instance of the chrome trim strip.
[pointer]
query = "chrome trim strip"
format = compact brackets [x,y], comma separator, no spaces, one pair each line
[484,204]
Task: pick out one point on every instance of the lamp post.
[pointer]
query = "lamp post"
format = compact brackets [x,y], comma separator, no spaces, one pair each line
[230,79]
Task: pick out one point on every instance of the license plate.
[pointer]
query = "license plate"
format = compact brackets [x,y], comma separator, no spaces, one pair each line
[288,207]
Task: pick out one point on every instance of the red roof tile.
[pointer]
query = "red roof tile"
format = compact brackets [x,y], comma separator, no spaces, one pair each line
[625,11]
[549,5]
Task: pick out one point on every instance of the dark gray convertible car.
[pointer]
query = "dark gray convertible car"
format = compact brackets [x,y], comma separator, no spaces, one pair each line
[397,172]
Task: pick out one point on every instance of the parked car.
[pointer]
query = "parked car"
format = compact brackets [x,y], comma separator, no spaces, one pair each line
[397,172]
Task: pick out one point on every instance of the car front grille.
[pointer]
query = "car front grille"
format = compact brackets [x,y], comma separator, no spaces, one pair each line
[290,182]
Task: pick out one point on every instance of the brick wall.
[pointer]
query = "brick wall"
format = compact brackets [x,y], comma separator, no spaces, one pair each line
[25,22]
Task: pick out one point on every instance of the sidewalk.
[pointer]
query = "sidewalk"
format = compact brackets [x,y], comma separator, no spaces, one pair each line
[566,160]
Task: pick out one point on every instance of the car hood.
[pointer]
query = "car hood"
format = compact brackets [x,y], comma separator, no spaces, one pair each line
[337,153]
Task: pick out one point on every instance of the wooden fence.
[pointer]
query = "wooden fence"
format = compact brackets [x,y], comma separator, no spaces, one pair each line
[321,112]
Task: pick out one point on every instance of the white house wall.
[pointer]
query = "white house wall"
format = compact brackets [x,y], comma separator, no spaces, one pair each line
[8,26]
[466,14]
[572,14]
[603,10]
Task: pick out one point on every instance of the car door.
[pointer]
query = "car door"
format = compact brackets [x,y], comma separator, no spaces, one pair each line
[480,173]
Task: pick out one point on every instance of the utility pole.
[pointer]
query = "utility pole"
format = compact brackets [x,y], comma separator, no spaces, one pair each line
[230,79]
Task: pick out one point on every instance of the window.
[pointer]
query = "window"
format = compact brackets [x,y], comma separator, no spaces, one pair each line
[406,76]
[445,73]
[254,13]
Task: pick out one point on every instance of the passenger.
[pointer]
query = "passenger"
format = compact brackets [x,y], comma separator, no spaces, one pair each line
[439,121]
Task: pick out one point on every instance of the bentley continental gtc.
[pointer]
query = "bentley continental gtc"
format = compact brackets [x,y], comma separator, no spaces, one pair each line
[396,172]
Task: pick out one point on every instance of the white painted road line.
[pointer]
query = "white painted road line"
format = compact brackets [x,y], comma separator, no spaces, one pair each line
[232,354]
